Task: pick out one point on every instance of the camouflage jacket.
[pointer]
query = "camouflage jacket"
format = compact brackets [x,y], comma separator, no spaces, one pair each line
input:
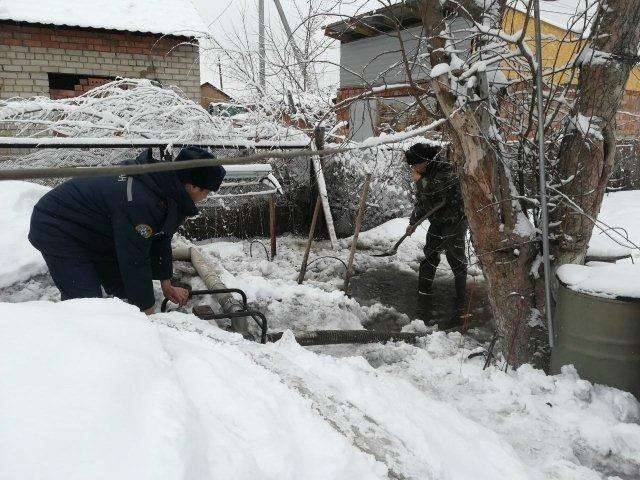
[439,184]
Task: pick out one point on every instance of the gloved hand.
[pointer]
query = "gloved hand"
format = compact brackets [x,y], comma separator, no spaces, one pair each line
[175,294]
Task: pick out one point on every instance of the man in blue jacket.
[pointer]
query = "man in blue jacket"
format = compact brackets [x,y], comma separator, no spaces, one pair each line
[115,232]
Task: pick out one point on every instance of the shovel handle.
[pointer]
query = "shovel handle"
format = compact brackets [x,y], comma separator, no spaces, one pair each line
[427,215]
[397,244]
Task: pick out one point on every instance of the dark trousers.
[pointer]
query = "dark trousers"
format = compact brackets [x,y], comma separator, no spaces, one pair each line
[450,239]
[81,278]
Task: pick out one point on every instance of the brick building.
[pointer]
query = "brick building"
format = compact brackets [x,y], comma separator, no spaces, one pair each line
[370,58]
[62,48]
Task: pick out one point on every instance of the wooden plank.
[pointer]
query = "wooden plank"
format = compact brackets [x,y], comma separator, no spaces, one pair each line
[322,188]
[312,231]
[356,233]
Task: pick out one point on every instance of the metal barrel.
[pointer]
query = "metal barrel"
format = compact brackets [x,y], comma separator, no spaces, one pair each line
[600,337]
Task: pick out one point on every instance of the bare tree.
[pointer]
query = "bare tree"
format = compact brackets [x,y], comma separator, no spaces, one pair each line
[490,152]
[481,79]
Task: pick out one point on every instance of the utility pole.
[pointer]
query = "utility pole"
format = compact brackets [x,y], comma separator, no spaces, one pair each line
[261,50]
[296,51]
[220,73]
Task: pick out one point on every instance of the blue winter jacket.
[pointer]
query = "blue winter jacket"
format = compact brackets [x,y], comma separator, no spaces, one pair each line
[128,219]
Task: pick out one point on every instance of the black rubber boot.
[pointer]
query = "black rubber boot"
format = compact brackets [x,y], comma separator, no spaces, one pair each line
[461,290]
[424,287]
[460,303]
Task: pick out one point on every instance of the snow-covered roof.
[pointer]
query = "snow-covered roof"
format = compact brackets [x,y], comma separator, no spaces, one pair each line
[177,17]
[571,15]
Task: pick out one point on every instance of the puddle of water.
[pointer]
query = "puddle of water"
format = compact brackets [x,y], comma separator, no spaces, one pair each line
[393,287]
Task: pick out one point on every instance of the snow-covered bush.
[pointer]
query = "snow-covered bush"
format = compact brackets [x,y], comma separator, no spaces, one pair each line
[129,109]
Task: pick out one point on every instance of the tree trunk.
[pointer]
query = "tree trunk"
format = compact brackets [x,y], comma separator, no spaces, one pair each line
[587,154]
[503,247]
[500,229]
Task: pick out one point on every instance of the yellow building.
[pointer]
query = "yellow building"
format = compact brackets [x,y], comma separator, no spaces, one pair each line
[561,45]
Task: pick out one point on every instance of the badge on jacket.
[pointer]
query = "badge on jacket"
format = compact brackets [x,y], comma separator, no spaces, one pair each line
[144,230]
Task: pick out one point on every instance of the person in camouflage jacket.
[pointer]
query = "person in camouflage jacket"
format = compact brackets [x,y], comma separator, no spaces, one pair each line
[438,197]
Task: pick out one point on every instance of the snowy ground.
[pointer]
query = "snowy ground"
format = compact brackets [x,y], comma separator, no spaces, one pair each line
[95,389]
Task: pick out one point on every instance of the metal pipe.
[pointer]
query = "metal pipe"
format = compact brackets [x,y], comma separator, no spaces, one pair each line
[70,142]
[542,177]
[75,172]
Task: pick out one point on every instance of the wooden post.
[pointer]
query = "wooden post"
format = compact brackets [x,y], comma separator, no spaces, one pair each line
[322,187]
[312,232]
[272,225]
[356,232]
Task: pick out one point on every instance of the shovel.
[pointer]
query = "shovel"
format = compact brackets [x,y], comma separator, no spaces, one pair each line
[393,250]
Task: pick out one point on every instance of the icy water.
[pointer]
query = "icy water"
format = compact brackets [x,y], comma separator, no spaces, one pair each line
[396,288]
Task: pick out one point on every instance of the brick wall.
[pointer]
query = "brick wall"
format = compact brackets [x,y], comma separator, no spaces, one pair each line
[385,113]
[29,52]
[629,115]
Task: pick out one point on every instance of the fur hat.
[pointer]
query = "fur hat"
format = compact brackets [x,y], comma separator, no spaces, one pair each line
[421,152]
[209,178]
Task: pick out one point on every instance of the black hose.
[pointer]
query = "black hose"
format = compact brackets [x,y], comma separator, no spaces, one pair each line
[266,252]
[333,337]
[327,256]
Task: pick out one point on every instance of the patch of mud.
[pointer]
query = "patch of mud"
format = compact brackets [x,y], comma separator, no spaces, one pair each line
[397,289]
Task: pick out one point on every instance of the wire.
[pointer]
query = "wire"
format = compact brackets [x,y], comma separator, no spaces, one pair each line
[266,252]
[327,256]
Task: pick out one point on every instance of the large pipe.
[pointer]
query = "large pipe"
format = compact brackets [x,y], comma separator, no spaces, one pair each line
[210,275]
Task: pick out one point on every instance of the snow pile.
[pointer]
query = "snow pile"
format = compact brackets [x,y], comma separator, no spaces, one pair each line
[383,237]
[178,17]
[621,223]
[602,279]
[94,389]
[561,427]
[19,261]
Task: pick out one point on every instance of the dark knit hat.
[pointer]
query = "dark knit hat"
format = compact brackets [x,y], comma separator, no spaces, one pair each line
[209,178]
[421,152]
